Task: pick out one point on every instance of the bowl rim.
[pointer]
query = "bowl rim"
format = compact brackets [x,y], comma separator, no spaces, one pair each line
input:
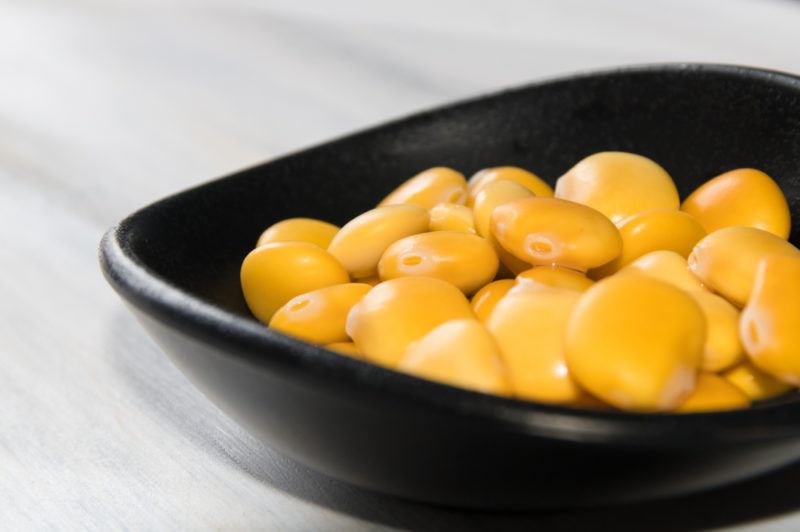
[262,349]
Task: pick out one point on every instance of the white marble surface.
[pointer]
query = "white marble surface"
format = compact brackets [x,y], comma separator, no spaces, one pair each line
[109,104]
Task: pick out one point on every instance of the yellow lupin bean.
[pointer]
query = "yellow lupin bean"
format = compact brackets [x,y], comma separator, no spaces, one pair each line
[529,327]
[467,261]
[308,230]
[556,277]
[492,196]
[273,274]
[397,313]
[727,259]
[755,384]
[452,217]
[487,199]
[636,343]
[652,231]
[430,187]
[714,393]
[723,348]
[485,299]
[319,316]
[667,266]
[550,231]
[345,348]
[360,243]
[529,180]
[619,185]
[770,323]
[740,197]
[460,353]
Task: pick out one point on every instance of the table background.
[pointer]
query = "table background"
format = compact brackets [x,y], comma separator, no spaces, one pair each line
[106,105]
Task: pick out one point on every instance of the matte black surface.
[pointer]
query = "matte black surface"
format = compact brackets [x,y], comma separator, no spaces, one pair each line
[177,262]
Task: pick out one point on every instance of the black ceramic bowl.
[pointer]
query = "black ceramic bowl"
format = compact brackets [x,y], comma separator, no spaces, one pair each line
[177,261]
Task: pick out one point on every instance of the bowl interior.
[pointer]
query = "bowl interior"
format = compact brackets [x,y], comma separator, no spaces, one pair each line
[696,121]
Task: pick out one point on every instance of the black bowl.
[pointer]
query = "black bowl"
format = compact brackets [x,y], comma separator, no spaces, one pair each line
[177,262]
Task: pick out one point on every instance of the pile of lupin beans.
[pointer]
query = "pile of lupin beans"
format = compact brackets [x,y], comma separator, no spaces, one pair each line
[607,292]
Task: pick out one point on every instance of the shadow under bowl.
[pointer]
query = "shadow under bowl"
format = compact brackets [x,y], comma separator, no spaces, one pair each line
[176,262]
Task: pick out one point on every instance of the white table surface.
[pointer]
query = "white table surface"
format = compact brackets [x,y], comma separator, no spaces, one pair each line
[107,105]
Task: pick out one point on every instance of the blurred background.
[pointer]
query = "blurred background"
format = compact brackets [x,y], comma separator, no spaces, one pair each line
[106,105]
[155,95]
